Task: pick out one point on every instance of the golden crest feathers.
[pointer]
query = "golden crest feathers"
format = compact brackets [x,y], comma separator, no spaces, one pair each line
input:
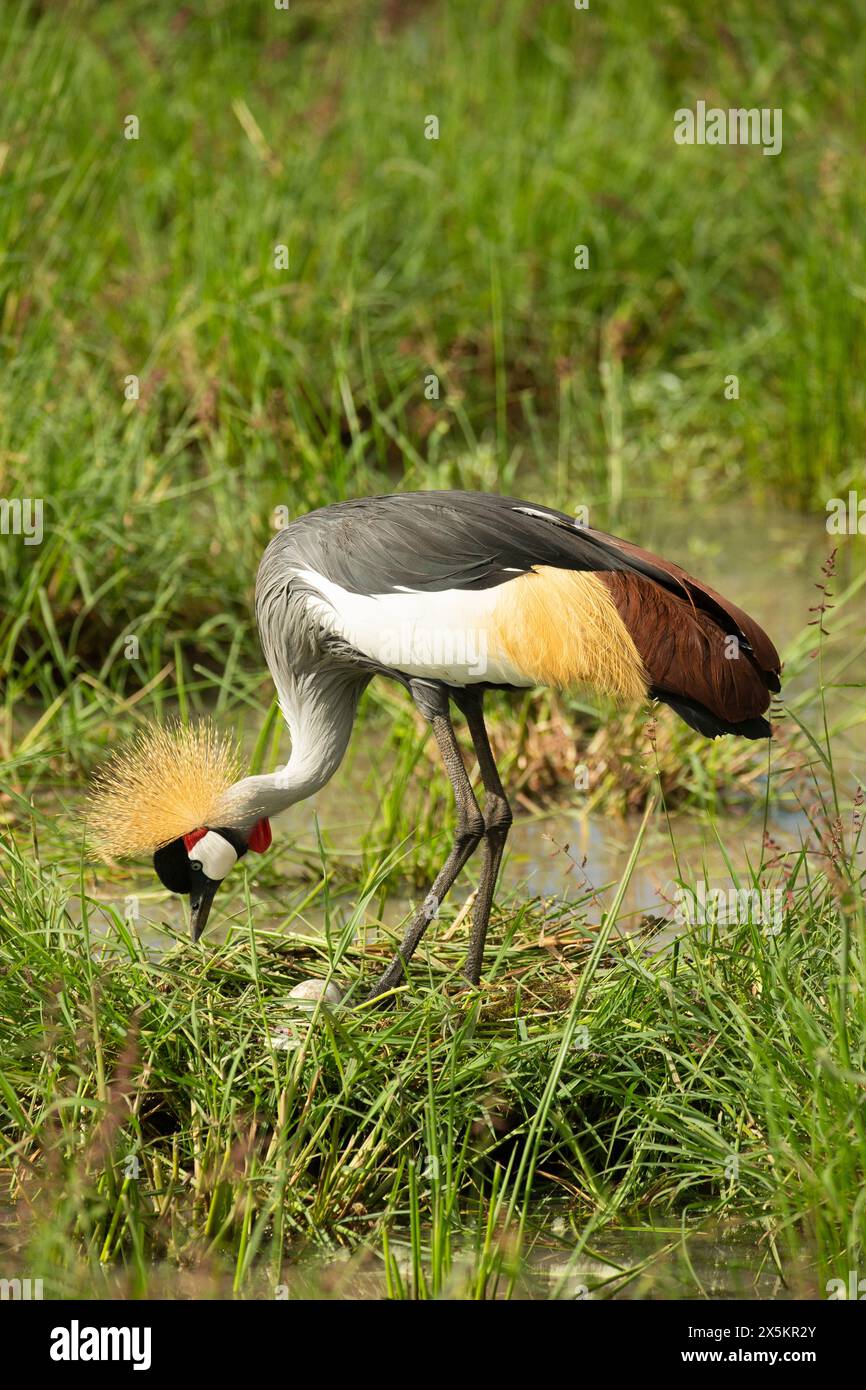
[169,779]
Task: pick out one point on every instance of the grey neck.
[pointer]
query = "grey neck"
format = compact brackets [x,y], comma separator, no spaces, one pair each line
[319,709]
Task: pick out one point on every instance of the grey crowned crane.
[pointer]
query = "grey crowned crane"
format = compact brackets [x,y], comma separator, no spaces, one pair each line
[451,594]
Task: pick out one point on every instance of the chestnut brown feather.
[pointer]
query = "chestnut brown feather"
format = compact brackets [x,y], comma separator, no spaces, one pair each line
[686,654]
[712,603]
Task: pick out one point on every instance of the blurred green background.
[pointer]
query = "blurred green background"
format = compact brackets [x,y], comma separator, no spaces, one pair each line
[265,387]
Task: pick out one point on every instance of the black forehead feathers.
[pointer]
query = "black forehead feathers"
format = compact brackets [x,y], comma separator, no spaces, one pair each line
[172,865]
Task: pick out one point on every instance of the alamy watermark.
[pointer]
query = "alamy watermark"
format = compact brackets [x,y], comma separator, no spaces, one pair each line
[737,126]
[77,1343]
[22,516]
[15,1290]
[463,648]
[847,516]
[854,1288]
[705,906]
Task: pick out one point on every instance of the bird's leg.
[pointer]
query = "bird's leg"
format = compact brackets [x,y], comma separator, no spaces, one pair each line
[432,700]
[497,822]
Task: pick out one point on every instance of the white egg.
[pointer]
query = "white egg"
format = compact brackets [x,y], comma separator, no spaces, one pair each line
[313,990]
[291,1031]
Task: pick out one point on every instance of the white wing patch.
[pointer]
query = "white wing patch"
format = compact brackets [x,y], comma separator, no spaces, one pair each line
[443,636]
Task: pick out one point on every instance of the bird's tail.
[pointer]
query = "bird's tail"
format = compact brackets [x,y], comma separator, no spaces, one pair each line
[703,656]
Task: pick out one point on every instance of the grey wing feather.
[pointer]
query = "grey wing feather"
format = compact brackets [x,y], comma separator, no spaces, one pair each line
[438,540]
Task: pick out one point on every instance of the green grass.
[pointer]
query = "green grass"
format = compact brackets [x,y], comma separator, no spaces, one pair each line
[173,1116]
[612,1078]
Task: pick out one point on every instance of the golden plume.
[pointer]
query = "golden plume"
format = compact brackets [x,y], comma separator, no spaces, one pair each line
[169,779]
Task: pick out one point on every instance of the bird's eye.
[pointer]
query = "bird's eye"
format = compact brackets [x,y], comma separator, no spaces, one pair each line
[195,863]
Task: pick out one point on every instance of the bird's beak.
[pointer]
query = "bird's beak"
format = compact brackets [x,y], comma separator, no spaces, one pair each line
[200,906]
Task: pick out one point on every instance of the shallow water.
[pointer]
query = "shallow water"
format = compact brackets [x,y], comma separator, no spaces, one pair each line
[663,1261]
[725,1260]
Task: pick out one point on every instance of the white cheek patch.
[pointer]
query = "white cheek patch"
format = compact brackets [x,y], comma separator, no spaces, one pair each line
[215,855]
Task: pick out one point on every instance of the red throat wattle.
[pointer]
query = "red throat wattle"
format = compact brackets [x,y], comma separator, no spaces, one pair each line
[260,839]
